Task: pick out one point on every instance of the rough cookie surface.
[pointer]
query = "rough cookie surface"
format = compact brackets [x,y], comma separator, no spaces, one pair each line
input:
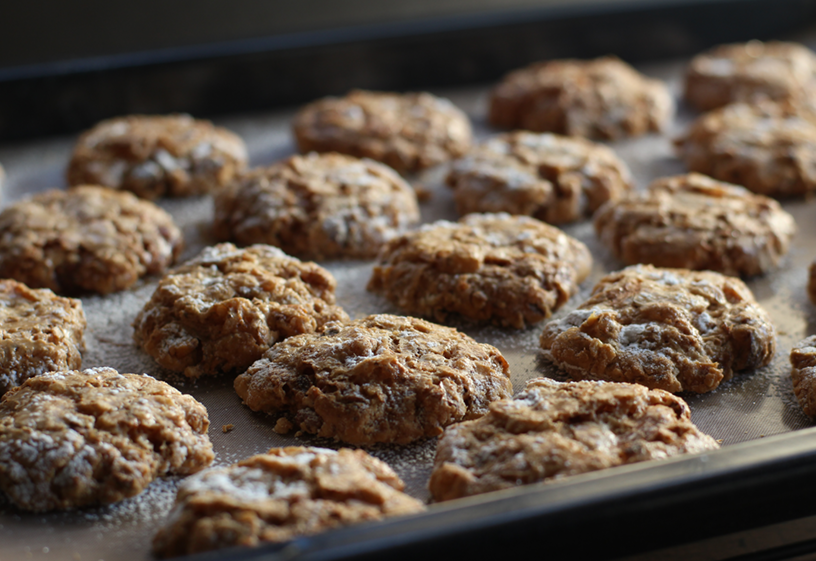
[602,98]
[770,148]
[317,206]
[695,222]
[73,439]
[409,132]
[39,332]
[221,310]
[277,496]
[157,156]
[803,374]
[507,270]
[85,239]
[671,329]
[554,178]
[553,430]
[379,379]
[747,72]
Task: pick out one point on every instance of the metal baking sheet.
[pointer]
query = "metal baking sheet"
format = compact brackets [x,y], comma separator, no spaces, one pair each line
[750,407]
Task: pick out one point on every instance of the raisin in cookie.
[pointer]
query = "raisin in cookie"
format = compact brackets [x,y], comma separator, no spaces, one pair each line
[39,332]
[602,98]
[671,329]
[409,132]
[379,379]
[277,496]
[750,71]
[220,311]
[157,156]
[695,222]
[85,239]
[317,206]
[557,429]
[803,374]
[554,178]
[497,268]
[73,439]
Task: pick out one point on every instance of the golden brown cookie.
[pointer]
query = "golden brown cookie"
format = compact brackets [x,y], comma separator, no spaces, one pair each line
[556,429]
[409,132]
[317,206]
[220,311]
[39,332]
[803,374]
[85,239]
[554,178]
[378,379]
[157,156]
[671,329]
[280,495]
[695,222]
[79,438]
[603,98]
[507,270]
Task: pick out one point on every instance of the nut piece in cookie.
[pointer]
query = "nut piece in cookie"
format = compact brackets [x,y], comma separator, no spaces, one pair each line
[695,222]
[409,132]
[554,178]
[39,332]
[506,270]
[747,72]
[85,239]
[220,311]
[74,439]
[278,496]
[770,148]
[317,206]
[671,329]
[379,379]
[603,98]
[556,429]
[157,156]
[803,374]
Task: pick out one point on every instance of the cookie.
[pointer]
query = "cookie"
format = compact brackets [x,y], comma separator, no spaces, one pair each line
[73,439]
[747,72]
[554,429]
[85,239]
[695,222]
[378,379]
[670,329]
[318,206]
[603,98]
[811,288]
[803,374]
[278,496]
[157,156]
[554,178]
[409,132]
[39,332]
[220,311]
[769,148]
[506,270]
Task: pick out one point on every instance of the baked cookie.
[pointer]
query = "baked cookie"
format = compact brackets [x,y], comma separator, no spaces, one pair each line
[73,439]
[277,496]
[317,206]
[378,379]
[220,311]
[695,222]
[746,72]
[85,239]
[554,178]
[409,132]
[157,156]
[39,332]
[557,429]
[803,374]
[506,270]
[602,98]
[770,148]
[811,288]
[672,329]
